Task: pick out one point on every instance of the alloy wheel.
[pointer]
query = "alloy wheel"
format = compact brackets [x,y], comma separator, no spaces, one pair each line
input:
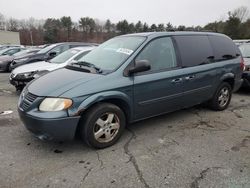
[106,127]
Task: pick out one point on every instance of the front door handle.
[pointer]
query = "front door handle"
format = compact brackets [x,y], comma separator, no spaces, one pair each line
[190,77]
[177,80]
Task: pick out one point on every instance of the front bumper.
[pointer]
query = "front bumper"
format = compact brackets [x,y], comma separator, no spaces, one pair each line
[3,65]
[50,129]
[19,82]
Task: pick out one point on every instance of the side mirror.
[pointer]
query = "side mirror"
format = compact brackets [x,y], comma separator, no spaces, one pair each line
[52,54]
[140,66]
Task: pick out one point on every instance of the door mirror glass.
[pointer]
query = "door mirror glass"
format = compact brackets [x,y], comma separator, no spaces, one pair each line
[140,66]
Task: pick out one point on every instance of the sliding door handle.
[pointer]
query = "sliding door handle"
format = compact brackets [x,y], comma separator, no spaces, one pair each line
[177,80]
[190,77]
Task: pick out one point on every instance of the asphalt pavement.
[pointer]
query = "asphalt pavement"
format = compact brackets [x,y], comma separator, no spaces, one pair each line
[191,148]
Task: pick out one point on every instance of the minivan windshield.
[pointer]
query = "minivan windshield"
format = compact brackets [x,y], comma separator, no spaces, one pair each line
[46,49]
[245,50]
[111,54]
[61,58]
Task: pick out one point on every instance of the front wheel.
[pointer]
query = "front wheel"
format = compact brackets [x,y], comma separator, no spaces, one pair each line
[222,97]
[102,125]
[8,68]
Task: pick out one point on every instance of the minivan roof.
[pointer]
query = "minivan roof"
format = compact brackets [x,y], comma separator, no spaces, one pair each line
[173,33]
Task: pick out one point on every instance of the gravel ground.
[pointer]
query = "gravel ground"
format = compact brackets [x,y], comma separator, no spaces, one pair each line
[193,148]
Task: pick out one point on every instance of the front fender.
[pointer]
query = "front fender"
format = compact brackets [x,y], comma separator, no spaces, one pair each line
[108,95]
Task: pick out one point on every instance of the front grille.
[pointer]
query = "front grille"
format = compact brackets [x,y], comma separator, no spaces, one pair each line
[25,105]
[28,100]
[30,97]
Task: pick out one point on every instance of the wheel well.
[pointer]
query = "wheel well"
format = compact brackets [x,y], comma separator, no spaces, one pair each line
[122,105]
[118,102]
[230,81]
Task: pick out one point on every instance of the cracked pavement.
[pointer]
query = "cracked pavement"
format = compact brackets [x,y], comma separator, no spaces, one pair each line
[191,148]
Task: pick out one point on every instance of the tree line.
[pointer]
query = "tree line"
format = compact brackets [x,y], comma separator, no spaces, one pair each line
[35,32]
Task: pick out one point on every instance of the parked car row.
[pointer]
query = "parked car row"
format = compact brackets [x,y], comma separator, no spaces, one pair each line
[24,74]
[2,47]
[6,60]
[124,80]
[47,53]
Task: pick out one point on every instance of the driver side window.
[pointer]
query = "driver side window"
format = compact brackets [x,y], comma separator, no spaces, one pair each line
[160,53]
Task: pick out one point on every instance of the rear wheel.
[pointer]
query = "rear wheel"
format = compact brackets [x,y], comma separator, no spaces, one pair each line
[222,97]
[102,125]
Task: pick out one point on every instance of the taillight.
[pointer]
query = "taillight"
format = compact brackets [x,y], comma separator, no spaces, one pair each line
[242,64]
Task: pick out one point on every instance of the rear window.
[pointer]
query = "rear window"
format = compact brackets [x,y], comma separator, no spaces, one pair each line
[223,47]
[194,50]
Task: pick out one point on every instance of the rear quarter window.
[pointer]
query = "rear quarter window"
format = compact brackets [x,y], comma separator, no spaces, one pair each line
[194,50]
[223,47]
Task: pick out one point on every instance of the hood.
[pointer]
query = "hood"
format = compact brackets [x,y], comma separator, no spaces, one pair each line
[59,81]
[6,58]
[39,66]
[247,61]
[31,56]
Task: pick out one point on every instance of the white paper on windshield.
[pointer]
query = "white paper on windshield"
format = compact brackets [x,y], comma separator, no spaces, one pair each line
[124,51]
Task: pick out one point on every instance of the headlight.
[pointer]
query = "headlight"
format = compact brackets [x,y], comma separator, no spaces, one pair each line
[55,104]
[26,75]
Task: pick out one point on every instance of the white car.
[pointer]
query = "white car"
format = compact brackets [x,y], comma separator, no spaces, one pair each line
[20,76]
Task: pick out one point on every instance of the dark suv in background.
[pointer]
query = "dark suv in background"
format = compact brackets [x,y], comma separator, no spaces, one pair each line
[131,78]
[47,53]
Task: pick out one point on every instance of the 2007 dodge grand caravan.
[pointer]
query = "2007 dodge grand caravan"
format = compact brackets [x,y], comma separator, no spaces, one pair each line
[130,78]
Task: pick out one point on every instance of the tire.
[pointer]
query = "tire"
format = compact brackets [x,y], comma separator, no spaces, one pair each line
[222,97]
[102,125]
[19,88]
[7,68]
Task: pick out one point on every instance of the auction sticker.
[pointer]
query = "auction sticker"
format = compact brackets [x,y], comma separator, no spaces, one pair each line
[125,51]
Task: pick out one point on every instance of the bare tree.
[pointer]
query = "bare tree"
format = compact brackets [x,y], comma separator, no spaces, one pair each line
[242,13]
[12,24]
[2,22]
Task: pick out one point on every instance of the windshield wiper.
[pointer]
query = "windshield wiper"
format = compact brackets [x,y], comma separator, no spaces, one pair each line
[246,57]
[90,65]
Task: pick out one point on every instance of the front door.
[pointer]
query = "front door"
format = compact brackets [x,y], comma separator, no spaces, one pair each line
[158,90]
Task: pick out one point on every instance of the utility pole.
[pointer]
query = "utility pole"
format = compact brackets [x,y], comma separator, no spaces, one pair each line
[31,38]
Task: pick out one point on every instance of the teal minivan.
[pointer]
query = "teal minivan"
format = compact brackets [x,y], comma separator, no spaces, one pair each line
[131,78]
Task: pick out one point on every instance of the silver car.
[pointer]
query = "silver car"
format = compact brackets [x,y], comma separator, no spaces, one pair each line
[20,76]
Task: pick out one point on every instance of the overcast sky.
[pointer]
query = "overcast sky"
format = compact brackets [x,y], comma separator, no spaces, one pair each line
[178,12]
